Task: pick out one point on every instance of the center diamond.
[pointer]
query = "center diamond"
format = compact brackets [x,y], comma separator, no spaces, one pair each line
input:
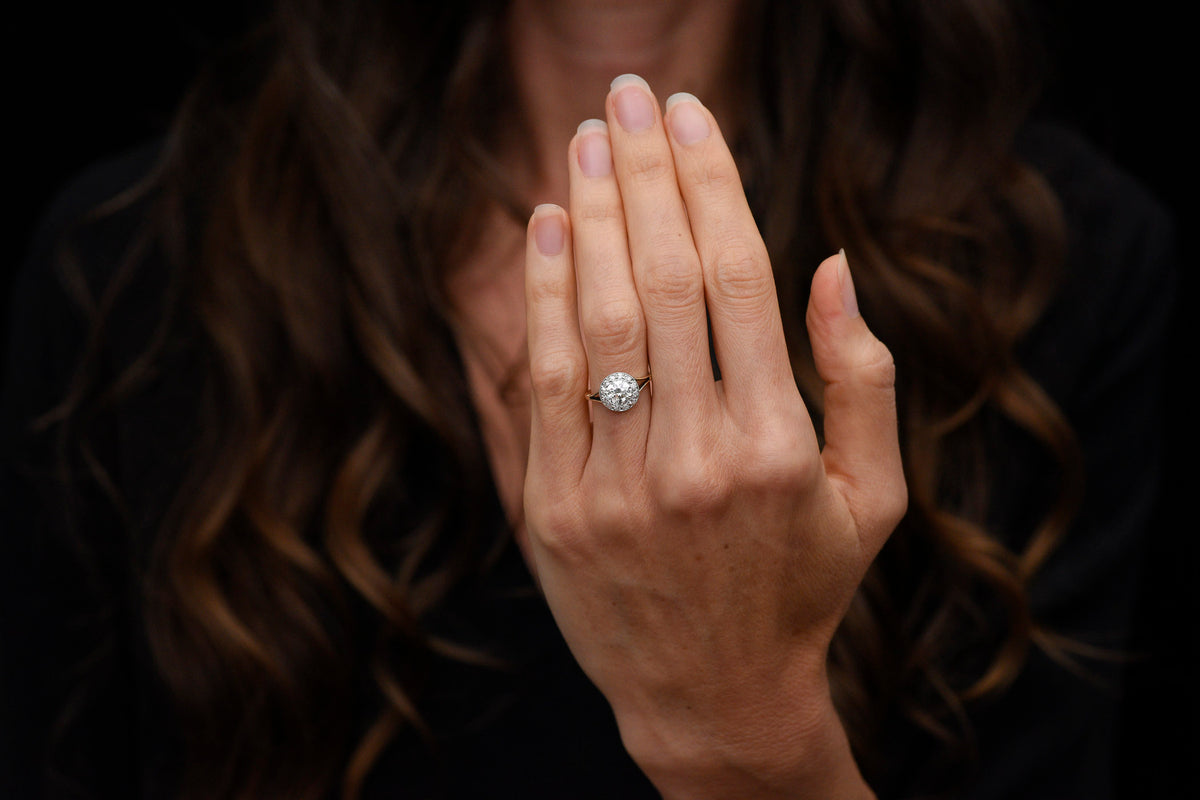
[619,391]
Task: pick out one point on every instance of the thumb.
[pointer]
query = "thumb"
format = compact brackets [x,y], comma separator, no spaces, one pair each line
[862,448]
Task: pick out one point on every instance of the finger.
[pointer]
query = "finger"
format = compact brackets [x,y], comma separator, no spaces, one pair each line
[862,448]
[614,332]
[560,437]
[666,268]
[739,284]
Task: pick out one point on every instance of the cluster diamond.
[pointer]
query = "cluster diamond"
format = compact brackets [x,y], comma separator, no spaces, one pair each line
[619,391]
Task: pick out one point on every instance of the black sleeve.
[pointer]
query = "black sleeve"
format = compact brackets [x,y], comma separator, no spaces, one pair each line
[68,687]
[1099,352]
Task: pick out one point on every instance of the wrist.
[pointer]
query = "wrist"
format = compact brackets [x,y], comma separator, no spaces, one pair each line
[785,748]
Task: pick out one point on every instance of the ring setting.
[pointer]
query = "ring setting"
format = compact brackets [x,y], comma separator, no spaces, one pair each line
[619,391]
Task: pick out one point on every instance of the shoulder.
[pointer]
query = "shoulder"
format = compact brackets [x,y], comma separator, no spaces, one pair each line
[1117,229]
[100,182]
[73,257]
[67,555]
[1115,296]
[1099,198]
[75,215]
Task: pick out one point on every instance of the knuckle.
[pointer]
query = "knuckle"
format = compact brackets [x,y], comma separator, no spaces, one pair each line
[649,167]
[547,290]
[781,464]
[717,177]
[559,531]
[674,280]
[590,519]
[609,513]
[691,487]
[597,212]
[739,272]
[556,375]
[876,364]
[614,327]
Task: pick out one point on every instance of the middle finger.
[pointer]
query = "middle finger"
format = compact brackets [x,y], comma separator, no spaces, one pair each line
[666,267]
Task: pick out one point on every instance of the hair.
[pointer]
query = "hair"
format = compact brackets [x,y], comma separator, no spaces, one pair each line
[310,200]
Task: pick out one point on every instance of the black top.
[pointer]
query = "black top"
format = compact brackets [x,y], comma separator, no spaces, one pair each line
[69,621]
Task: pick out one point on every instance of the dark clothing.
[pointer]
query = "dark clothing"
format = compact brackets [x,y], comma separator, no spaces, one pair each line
[71,621]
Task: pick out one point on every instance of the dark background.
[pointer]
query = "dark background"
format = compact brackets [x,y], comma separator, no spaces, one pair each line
[93,80]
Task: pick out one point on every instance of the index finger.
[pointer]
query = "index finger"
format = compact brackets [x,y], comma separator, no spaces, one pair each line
[666,267]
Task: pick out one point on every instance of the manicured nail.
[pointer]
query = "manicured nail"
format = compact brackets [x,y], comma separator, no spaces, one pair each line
[849,299]
[548,229]
[687,122]
[595,154]
[633,103]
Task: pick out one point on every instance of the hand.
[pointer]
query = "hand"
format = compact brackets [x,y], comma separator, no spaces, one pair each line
[699,550]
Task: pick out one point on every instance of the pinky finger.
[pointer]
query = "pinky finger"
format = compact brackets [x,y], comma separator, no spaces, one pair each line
[561,436]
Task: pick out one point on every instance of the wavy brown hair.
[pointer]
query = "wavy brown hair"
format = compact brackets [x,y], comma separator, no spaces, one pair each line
[310,199]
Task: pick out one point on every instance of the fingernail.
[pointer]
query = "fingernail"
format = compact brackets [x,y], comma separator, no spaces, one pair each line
[548,229]
[849,299]
[687,122]
[633,103]
[595,155]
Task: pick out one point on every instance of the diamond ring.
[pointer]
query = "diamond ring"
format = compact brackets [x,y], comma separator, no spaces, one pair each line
[619,391]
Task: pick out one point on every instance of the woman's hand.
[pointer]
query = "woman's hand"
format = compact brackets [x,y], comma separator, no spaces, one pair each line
[699,550]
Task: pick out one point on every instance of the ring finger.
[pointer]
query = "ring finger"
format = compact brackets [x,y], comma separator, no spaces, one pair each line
[613,326]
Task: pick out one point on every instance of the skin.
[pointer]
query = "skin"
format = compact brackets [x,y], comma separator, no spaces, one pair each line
[699,550]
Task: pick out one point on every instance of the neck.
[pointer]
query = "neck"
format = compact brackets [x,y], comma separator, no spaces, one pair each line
[564,54]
